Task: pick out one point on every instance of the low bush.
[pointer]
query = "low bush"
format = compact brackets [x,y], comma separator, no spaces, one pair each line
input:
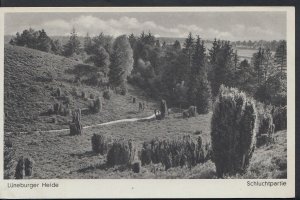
[122,152]
[163,108]
[190,112]
[173,153]
[28,166]
[95,106]
[100,143]
[24,167]
[107,94]
[9,154]
[83,95]
[58,92]
[20,173]
[76,126]
[265,130]
[136,167]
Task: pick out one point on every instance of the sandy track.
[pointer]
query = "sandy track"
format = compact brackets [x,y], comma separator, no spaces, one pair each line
[152,117]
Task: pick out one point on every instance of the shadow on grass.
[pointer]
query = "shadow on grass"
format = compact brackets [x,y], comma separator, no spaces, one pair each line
[132,112]
[82,70]
[104,166]
[85,154]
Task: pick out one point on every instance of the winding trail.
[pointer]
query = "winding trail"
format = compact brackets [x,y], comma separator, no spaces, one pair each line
[152,117]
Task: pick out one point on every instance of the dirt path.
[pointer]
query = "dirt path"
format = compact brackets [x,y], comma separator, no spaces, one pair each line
[152,117]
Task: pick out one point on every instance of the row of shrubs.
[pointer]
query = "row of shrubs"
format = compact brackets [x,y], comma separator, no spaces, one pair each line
[183,151]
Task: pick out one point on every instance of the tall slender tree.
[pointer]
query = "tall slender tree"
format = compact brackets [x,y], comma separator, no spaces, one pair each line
[73,45]
[222,67]
[258,60]
[280,56]
[199,92]
[87,45]
[121,62]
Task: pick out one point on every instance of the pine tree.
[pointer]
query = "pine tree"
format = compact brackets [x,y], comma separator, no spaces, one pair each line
[213,51]
[222,67]
[199,93]
[132,40]
[44,42]
[102,40]
[87,45]
[176,46]
[245,77]
[280,56]
[188,48]
[73,45]
[267,65]
[235,60]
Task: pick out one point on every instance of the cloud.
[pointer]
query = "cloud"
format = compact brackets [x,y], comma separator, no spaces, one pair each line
[127,25]
[123,25]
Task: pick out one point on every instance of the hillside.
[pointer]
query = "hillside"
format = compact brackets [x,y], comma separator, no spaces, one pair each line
[31,79]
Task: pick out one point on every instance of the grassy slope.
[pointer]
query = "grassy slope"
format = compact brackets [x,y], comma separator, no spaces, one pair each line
[26,96]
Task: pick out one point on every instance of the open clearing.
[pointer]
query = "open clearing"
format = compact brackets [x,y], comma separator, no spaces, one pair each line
[59,155]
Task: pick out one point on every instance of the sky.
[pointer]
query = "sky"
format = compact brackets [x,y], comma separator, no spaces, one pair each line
[208,25]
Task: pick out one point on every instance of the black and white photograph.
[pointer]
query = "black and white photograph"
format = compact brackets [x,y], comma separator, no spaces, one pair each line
[146,95]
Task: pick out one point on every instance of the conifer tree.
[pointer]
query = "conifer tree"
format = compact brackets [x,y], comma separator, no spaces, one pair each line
[188,48]
[199,93]
[73,45]
[280,56]
[222,66]
[258,60]
[87,45]
[177,46]
[44,42]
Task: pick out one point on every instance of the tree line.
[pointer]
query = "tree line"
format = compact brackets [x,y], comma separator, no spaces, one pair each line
[112,57]
[272,45]
[183,74]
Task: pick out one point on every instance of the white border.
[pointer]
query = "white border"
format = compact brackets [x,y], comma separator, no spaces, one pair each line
[135,188]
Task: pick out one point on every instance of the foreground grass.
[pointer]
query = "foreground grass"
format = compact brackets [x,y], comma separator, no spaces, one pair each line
[58,155]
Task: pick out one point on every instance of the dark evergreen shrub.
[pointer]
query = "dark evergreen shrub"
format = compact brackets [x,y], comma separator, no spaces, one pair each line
[163,108]
[122,152]
[100,144]
[233,131]
[280,118]
[107,94]
[76,126]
